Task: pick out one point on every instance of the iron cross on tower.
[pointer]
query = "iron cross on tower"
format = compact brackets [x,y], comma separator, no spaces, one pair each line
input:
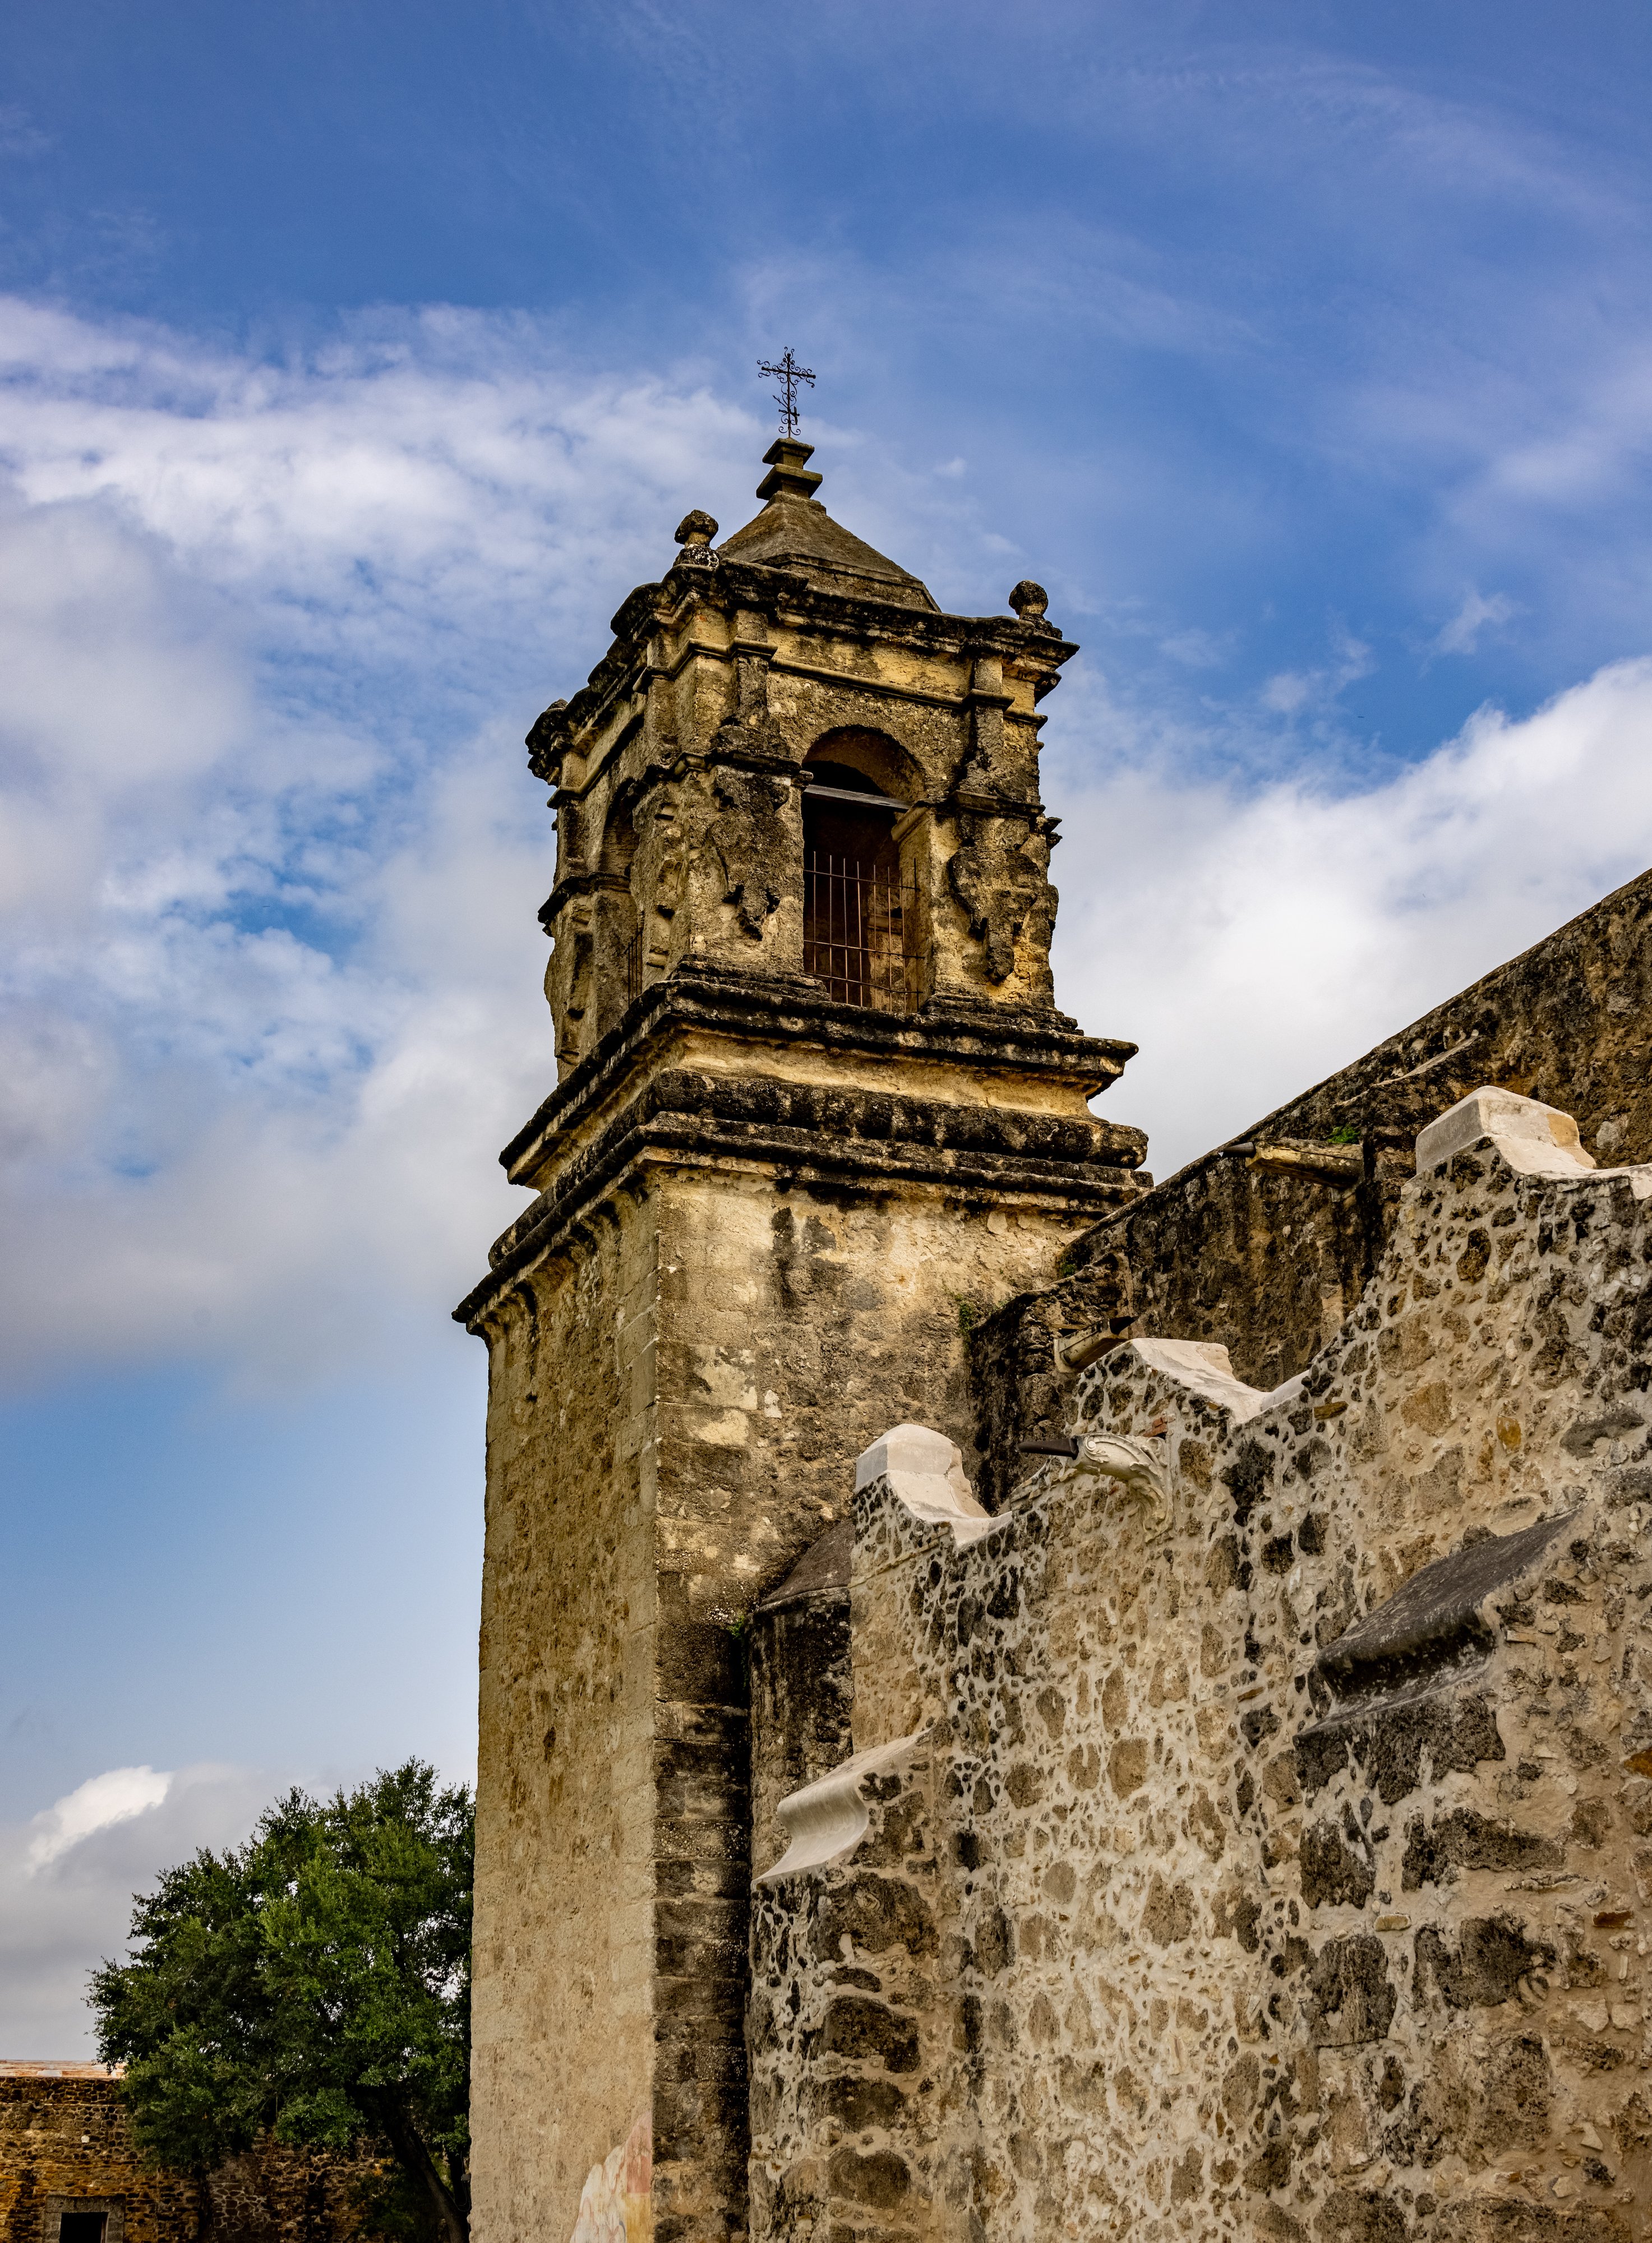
[788,374]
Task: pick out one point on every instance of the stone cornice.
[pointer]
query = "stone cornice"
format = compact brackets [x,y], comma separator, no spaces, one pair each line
[790,1010]
[785,597]
[820,1133]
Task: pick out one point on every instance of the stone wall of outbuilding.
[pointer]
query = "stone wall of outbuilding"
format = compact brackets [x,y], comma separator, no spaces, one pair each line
[66,2145]
[1249,1832]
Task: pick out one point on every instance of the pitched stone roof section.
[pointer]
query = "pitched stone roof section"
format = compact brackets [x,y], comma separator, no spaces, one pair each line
[823,1570]
[794,531]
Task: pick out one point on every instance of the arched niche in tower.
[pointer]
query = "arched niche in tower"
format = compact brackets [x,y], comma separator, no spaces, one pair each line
[617,921]
[862,921]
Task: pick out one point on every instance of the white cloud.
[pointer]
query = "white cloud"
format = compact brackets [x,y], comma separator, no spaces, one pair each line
[102,1800]
[1294,693]
[1198,650]
[269,855]
[67,1876]
[269,859]
[1461,634]
[1252,941]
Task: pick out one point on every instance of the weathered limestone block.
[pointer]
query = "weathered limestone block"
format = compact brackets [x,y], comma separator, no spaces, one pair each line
[1310,1839]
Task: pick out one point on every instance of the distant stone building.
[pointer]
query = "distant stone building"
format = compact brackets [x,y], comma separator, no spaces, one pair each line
[1196,1765]
[71,2172]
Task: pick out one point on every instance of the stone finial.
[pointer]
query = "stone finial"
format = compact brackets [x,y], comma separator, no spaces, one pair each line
[926,1472]
[694,533]
[1536,1139]
[790,474]
[1029,601]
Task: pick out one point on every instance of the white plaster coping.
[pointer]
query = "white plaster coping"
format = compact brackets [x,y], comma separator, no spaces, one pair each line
[827,1819]
[1204,1366]
[926,1472]
[1536,1140]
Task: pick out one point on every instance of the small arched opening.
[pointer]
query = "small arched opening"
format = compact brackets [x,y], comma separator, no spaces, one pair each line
[860,919]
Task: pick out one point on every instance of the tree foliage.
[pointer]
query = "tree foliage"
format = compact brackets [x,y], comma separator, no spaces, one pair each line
[315,1984]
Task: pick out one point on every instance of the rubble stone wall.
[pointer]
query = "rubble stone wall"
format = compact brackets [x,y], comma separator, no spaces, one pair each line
[1251,1828]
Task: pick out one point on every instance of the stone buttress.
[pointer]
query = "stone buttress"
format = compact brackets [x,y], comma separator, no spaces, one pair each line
[815,1112]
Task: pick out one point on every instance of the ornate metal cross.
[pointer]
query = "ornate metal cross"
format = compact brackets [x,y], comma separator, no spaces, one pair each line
[788,374]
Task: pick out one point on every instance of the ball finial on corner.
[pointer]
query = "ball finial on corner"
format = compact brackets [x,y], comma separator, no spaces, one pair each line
[1029,601]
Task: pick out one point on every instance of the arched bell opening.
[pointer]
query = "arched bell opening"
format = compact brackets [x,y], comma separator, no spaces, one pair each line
[860,922]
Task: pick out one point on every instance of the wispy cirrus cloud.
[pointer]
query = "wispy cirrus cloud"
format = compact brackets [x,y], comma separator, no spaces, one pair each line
[1479,612]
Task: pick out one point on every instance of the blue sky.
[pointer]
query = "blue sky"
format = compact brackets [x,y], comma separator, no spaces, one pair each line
[357,361]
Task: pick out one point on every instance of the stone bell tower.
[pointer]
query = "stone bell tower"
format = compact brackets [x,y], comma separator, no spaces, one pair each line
[815,1112]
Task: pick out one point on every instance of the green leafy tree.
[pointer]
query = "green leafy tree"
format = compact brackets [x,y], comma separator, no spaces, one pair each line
[315,1984]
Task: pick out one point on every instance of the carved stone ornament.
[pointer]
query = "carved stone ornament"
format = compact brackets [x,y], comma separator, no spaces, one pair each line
[694,533]
[546,741]
[751,730]
[749,836]
[999,885]
[1137,1464]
